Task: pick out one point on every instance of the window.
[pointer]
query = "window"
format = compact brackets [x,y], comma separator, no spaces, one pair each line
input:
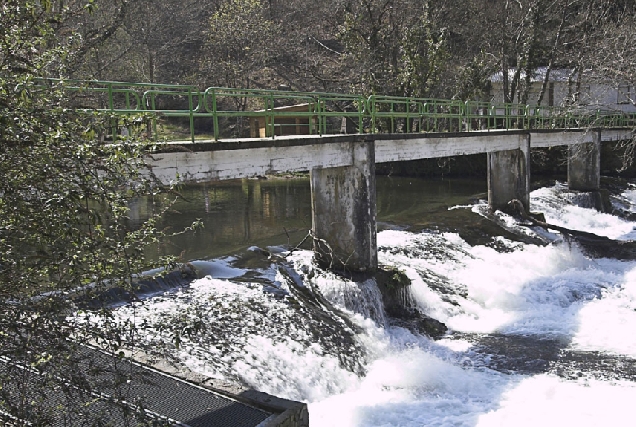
[624,94]
[585,95]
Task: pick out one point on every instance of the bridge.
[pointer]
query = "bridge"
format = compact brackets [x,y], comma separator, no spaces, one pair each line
[340,138]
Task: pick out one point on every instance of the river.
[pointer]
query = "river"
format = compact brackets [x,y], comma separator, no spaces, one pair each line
[540,332]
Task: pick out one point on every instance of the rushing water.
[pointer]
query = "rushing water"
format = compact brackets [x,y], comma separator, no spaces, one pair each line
[540,332]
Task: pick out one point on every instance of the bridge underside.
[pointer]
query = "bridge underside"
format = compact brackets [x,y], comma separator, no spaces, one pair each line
[343,173]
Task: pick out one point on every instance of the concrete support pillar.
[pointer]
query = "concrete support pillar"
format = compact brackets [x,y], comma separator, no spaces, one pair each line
[344,212]
[509,175]
[584,164]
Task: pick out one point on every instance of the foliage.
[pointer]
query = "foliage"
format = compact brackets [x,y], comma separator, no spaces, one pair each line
[240,42]
[64,236]
[398,48]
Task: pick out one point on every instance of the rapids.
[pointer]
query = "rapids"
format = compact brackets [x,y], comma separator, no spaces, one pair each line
[540,332]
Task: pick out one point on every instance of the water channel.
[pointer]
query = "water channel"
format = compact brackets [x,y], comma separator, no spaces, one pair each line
[540,331]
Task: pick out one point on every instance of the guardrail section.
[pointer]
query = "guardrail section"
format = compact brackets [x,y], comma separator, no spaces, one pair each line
[180,112]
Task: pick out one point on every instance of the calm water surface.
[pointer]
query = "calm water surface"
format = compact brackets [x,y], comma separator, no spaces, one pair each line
[240,214]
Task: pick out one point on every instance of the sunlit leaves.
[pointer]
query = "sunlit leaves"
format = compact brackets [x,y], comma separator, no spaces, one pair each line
[65,238]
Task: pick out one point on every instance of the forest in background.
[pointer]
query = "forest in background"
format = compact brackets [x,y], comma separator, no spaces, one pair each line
[420,48]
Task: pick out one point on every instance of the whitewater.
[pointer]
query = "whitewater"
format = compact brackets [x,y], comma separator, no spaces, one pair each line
[540,333]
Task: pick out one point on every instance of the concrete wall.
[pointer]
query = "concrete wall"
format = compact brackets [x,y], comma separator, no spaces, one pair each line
[296,416]
[584,164]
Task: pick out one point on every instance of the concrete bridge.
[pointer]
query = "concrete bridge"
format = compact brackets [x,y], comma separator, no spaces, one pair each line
[342,170]
[386,129]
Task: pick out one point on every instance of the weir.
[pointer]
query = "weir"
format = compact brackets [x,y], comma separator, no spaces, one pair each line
[342,172]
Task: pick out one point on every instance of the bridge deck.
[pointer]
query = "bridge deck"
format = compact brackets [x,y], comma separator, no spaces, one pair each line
[251,157]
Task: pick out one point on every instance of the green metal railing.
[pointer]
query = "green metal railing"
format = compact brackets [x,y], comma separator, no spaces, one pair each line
[231,113]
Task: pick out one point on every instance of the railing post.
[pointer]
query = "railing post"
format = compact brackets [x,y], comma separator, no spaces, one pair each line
[507,113]
[153,107]
[467,119]
[215,116]
[111,107]
[191,113]
[372,107]
[323,118]
[362,107]
[408,115]
[270,130]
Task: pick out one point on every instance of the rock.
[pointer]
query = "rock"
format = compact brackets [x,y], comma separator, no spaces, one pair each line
[431,327]
[399,304]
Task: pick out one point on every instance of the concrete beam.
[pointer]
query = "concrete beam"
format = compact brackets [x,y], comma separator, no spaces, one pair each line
[213,161]
[394,148]
[218,161]
[613,135]
[584,164]
[548,138]
[344,212]
[509,175]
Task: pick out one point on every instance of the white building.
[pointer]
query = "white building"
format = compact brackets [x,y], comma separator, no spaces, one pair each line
[594,94]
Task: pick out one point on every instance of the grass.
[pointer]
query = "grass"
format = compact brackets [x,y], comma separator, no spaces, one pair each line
[176,132]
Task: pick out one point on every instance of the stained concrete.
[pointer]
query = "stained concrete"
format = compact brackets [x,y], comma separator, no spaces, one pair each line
[509,175]
[584,164]
[344,212]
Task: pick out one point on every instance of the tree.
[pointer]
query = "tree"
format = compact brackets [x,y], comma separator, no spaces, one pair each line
[141,40]
[608,56]
[63,232]
[240,45]
[165,42]
[396,46]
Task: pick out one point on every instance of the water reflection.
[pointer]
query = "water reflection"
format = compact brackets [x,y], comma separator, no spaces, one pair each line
[242,213]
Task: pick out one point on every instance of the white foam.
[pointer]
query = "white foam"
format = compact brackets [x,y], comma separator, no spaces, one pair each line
[545,400]
[409,386]
[410,381]
[607,324]
[559,210]
[218,268]
[630,197]
[537,290]
[291,370]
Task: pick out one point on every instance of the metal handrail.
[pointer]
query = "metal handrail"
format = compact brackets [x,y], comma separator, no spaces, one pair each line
[317,110]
